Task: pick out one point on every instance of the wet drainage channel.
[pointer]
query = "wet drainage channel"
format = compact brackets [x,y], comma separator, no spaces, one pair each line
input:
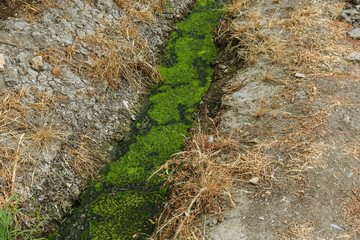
[120,204]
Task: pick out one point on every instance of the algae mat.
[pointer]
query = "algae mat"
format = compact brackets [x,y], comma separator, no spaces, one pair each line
[122,203]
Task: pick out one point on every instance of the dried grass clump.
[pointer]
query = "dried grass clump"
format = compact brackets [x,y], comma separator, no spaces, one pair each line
[119,56]
[83,158]
[27,133]
[30,136]
[143,9]
[203,178]
[308,39]
[299,231]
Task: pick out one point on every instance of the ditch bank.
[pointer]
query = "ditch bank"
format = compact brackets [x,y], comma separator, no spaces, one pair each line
[122,204]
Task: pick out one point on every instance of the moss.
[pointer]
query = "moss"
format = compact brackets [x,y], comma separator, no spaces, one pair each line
[121,203]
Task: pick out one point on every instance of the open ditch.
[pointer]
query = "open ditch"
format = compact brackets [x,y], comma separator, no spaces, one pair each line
[123,203]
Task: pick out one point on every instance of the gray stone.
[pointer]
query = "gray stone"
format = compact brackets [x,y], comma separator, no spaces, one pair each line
[354,56]
[354,33]
[346,14]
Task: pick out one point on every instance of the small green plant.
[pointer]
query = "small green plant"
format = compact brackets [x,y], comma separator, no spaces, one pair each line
[8,228]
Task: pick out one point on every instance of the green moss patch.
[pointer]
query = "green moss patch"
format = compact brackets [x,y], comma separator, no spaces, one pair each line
[122,204]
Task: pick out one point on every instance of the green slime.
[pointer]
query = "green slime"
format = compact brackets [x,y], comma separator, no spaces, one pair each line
[122,203]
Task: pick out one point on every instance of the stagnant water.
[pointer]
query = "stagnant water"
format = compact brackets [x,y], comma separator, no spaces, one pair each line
[120,204]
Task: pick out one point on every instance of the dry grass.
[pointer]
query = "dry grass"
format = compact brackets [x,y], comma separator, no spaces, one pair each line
[82,156]
[307,39]
[299,231]
[119,56]
[30,135]
[203,178]
[28,8]
[25,134]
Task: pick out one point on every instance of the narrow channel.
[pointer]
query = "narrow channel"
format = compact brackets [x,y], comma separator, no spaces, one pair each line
[122,204]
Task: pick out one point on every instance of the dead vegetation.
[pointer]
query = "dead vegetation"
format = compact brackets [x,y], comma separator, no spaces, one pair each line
[29,135]
[299,231]
[202,179]
[307,39]
[119,56]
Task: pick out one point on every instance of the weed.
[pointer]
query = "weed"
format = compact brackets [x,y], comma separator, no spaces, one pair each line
[8,227]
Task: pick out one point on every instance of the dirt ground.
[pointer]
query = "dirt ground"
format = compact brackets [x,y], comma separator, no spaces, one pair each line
[307,127]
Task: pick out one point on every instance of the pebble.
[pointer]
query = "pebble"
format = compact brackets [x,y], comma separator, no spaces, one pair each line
[255,180]
[222,66]
[37,63]
[300,75]
[354,33]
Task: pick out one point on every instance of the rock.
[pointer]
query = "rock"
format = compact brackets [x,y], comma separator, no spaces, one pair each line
[355,1]
[347,14]
[37,63]
[2,62]
[255,180]
[354,33]
[222,66]
[358,7]
[354,56]
[300,75]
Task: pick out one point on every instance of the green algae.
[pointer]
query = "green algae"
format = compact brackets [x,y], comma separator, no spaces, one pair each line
[114,212]
[123,202]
